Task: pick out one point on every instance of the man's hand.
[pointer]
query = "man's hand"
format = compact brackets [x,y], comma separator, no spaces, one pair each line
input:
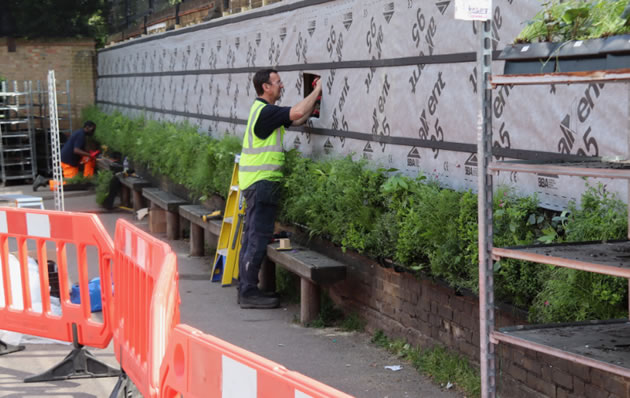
[301,112]
[318,84]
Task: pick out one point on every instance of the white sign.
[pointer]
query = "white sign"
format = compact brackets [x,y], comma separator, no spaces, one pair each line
[473,10]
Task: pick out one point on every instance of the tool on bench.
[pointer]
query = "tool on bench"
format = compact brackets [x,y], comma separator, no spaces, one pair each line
[211,216]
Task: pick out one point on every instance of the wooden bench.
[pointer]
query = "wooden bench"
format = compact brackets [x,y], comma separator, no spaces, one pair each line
[194,214]
[163,212]
[131,189]
[314,270]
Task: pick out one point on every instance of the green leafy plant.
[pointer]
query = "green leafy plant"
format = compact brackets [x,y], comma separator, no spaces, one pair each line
[198,162]
[436,362]
[77,179]
[561,21]
[408,222]
[352,323]
[571,295]
[102,181]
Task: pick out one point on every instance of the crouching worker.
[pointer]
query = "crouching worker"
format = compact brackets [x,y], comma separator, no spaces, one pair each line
[259,177]
[73,155]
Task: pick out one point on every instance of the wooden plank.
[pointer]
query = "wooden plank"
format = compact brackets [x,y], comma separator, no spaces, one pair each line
[193,214]
[133,182]
[196,240]
[308,264]
[157,219]
[309,301]
[163,199]
[138,200]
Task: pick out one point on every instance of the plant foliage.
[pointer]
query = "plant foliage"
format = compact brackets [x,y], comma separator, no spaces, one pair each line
[55,18]
[198,162]
[410,222]
[561,21]
[102,181]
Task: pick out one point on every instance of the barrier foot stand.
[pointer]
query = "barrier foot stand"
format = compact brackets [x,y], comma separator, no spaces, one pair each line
[6,348]
[78,364]
[125,388]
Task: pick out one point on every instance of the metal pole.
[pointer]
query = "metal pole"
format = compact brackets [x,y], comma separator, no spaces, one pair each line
[54,140]
[484,156]
[4,87]
[28,87]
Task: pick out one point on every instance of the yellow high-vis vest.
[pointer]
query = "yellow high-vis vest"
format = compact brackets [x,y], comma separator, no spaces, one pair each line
[260,159]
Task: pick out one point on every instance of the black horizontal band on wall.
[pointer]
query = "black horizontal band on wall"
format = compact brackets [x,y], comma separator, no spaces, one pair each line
[175,113]
[222,22]
[510,153]
[373,63]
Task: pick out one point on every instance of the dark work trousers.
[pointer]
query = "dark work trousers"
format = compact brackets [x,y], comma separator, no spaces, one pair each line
[262,204]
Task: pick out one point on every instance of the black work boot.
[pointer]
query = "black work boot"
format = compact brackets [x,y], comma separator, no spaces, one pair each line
[258,299]
[266,294]
[39,182]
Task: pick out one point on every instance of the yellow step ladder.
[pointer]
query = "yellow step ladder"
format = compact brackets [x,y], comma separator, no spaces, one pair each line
[225,268]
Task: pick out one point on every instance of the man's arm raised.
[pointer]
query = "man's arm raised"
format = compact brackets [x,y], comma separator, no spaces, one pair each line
[303,109]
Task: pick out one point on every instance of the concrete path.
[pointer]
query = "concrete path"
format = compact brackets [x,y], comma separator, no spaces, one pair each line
[346,361]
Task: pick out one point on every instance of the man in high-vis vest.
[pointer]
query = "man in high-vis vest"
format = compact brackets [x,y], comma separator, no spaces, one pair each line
[260,171]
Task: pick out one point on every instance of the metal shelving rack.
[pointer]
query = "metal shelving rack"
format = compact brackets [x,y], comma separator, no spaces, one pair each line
[17,144]
[598,344]
[41,115]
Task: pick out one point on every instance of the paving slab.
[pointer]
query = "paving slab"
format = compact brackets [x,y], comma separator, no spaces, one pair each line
[344,360]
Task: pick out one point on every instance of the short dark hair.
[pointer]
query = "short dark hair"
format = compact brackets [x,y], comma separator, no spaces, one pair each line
[262,76]
[89,123]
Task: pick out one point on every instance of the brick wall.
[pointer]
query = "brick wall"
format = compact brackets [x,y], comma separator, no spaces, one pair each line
[71,59]
[425,312]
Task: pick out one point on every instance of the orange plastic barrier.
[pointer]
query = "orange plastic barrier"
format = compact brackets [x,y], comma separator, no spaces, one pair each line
[21,226]
[145,304]
[198,365]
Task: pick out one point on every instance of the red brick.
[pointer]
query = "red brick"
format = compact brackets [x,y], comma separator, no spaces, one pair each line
[593,391]
[532,365]
[540,385]
[562,378]
[613,384]
[562,393]
[445,312]
[469,350]
[580,371]
[579,387]
[518,373]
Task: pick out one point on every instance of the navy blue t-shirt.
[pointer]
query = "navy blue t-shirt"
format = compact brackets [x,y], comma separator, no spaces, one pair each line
[271,117]
[76,140]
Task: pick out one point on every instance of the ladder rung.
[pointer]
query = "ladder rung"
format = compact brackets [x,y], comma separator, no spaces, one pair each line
[223,252]
[228,220]
[234,188]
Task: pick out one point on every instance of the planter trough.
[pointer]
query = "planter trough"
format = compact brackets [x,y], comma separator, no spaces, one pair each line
[572,56]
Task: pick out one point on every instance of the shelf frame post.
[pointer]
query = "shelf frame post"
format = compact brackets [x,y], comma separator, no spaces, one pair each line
[485,194]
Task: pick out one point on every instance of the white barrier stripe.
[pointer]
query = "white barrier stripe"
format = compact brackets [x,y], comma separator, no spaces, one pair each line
[128,243]
[300,394]
[3,222]
[38,225]
[141,253]
[238,380]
